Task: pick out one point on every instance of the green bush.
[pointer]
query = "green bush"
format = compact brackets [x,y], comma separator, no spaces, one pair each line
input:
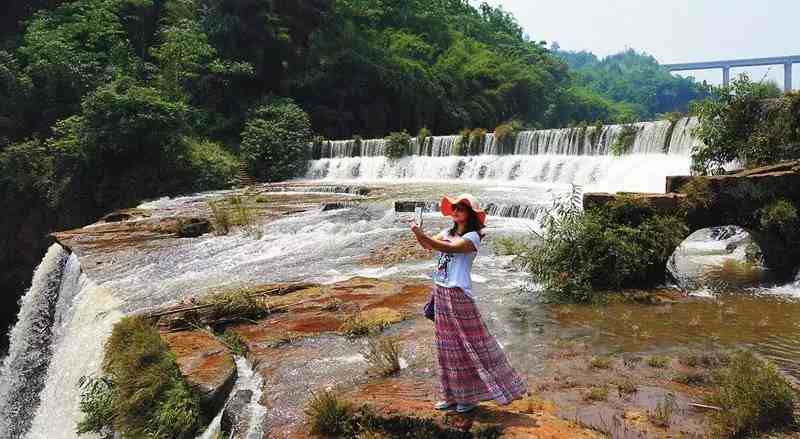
[781,216]
[398,145]
[423,134]
[623,143]
[504,136]
[275,141]
[477,137]
[621,245]
[143,393]
[122,123]
[753,397]
[746,122]
[210,165]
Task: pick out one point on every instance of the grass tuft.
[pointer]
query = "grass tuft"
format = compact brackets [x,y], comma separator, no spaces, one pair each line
[596,394]
[142,393]
[370,322]
[601,362]
[658,362]
[329,414]
[383,355]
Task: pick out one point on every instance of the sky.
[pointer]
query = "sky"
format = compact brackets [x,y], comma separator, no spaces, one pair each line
[672,31]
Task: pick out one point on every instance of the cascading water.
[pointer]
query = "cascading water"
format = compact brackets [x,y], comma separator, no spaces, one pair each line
[25,367]
[558,156]
[657,137]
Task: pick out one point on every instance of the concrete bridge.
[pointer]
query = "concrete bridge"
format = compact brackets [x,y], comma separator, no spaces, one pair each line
[726,66]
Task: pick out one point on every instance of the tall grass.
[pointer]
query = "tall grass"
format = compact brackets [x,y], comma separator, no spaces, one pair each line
[143,394]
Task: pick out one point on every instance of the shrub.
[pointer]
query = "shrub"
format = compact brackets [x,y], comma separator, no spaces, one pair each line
[143,393]
[780,216]
[698,194]
[398,145]
[275,140]
[752,395]
[504,136]
[621,245]
[329,415]
[97,401]
[746,122]
[383,355]
[423,134]
[623,143]
[477,138]
[211,166]
[462,144]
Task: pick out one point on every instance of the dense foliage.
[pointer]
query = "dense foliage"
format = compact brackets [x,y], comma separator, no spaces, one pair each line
[622,245]
[637,87]
[275,141]
[747,122]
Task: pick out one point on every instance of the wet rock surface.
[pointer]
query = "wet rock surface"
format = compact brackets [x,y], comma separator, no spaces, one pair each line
[205,363]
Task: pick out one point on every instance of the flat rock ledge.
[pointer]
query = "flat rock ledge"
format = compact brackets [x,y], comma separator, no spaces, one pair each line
[206,364]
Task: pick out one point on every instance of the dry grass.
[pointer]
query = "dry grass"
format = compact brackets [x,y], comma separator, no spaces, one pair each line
[601,363]
[658,362]
[328,414]
[383,355]
[661,416]
[370,322]
[626,387]
[596,394]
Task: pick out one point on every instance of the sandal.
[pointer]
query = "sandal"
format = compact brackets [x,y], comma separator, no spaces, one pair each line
[444,405]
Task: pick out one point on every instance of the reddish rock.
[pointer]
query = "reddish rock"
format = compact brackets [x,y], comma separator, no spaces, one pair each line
[205,363]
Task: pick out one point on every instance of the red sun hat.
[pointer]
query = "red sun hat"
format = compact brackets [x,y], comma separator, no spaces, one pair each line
[446,206]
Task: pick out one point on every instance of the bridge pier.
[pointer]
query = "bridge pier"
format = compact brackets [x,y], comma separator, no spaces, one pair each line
[726,75]
[787,77]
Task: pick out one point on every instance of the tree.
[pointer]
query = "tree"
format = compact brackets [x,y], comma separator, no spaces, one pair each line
[275,140]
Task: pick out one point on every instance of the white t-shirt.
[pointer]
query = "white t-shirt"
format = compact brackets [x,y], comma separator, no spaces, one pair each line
[453,269]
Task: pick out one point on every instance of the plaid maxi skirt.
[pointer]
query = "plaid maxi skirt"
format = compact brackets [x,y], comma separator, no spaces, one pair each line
[473,367]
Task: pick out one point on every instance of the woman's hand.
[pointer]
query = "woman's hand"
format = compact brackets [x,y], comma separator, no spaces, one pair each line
[419,234]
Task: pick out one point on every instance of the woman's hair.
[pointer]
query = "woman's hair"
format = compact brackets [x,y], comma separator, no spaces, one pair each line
[472,225]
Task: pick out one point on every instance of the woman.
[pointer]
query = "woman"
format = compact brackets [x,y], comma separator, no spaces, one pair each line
[472,365]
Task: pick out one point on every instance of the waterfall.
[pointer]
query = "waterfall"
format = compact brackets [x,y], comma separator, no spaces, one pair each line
[25,366]
[84,317]
[683,140]
[657,137]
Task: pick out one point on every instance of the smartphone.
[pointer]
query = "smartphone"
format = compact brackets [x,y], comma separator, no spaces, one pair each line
[418,215]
